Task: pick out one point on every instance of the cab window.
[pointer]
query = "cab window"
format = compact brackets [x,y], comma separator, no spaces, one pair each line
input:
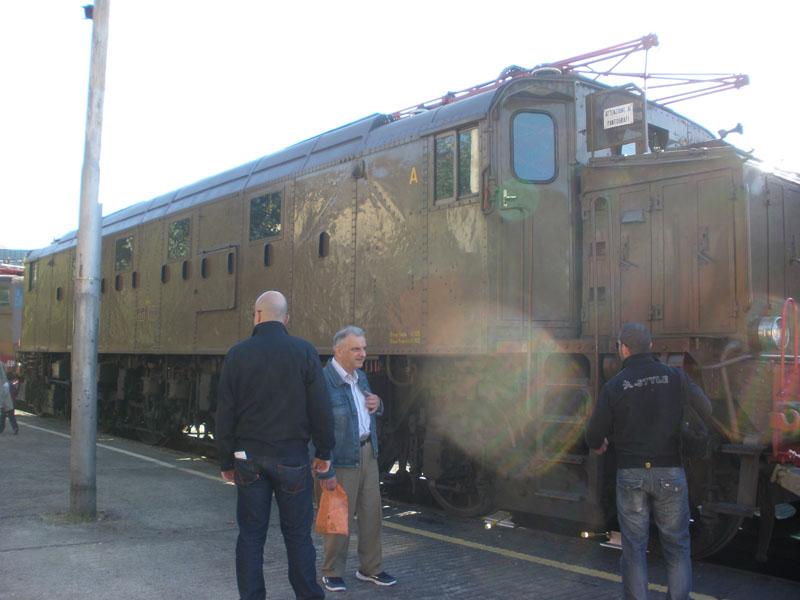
[534,146]
[456,166]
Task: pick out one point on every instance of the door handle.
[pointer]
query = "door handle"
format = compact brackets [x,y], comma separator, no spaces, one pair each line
[506,198]
[702,256]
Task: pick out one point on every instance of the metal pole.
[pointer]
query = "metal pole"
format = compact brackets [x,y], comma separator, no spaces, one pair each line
[83,487]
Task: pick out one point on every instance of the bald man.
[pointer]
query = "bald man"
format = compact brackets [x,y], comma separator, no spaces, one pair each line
[272,400]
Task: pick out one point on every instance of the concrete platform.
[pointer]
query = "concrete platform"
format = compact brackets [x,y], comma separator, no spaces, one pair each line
[166,529]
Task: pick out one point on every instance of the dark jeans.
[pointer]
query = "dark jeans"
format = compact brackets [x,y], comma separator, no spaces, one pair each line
[11,419]
[662,492]
[257,478]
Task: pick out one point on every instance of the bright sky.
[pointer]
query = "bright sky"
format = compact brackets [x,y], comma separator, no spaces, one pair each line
[195,87]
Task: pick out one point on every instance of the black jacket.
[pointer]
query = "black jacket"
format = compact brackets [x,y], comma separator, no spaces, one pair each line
[640,411]
[272,398]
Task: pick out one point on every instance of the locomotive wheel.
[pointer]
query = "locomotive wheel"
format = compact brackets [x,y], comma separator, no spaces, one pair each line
[462,499]
[152,433]
[712,480]
[34,397]
[106,418]
[464,488]
[151,438]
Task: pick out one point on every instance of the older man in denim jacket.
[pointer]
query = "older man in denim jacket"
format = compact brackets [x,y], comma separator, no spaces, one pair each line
[354,462]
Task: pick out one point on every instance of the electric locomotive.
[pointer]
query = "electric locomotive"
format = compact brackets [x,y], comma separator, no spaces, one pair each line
[490,243]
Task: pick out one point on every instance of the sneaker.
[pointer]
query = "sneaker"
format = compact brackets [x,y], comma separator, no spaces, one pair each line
[382,578]
[334,584]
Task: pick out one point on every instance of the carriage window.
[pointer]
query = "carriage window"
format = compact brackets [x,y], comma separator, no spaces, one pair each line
[534,146]
[265,216]
[33,275]
[324,248]
[5,297]
[456,164]
[123,255]
[445,159]
[468,162]
[178,239]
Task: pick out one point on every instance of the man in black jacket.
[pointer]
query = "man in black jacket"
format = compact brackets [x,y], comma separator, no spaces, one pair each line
[272,399]
[641,410]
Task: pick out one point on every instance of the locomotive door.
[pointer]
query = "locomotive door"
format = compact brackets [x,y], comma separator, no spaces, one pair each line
[532,236]
[215,279]
[672,263]
[676,247]
[536,299]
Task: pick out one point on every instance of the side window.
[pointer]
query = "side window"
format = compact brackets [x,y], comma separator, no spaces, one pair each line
[456,165]
[265,216]
[468,162]
[179,240]
[444,171]
[123,254]
[33,275]
[534,146]
[5,297]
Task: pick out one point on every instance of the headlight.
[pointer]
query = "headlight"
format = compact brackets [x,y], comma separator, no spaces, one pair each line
[769,333]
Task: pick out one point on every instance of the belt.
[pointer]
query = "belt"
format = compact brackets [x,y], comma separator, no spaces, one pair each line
[365,440]
[640,462]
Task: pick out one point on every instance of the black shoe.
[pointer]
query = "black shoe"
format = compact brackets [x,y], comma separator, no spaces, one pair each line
[334,584]
[16,431]
[382,578]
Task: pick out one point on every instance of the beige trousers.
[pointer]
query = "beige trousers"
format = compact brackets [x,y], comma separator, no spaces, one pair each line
[362,486]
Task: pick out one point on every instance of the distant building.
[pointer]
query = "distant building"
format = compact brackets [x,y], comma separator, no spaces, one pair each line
[13,257]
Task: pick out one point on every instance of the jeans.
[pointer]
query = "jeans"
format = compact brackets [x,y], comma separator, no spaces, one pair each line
[662,491]
[11,419]
[257,478]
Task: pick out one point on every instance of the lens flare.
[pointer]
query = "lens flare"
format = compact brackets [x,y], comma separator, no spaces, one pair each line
[517,413]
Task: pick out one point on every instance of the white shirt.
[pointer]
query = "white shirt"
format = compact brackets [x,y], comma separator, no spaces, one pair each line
[358,396]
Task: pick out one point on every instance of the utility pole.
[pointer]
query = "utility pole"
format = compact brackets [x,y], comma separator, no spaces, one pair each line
[83,447]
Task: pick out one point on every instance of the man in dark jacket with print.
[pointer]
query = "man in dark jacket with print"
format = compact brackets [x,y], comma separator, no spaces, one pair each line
[641,410]
[272,400]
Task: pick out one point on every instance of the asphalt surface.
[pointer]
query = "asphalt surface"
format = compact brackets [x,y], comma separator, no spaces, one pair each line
[166,529]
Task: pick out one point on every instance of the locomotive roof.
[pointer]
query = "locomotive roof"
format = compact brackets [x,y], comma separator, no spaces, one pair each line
[337,145]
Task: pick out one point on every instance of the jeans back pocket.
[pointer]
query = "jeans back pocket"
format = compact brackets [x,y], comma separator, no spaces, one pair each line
[245,471]
[631,495]
[293,478]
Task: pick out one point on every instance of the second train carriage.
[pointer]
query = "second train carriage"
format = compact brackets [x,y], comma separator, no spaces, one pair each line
[11,277]
[490,247]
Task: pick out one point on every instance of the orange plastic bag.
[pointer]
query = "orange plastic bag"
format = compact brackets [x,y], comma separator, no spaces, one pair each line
[332,516]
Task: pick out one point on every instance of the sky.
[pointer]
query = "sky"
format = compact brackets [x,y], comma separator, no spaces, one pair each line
[196,87]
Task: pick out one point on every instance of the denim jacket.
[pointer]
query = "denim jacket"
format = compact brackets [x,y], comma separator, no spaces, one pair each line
[347,450]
